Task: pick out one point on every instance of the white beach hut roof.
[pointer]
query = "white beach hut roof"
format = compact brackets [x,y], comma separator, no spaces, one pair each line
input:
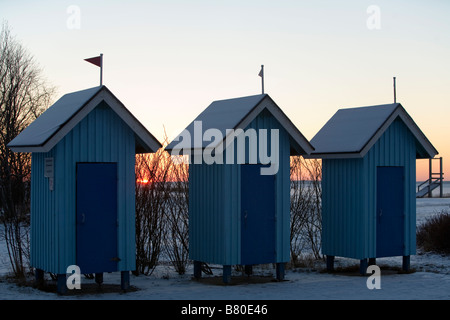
[49,128]
[351,132]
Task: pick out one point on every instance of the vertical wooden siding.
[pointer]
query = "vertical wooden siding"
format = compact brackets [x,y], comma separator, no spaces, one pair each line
[342,207]
[206,213]
[101,137]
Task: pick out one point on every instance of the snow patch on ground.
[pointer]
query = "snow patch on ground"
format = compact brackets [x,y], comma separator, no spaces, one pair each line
[431,279]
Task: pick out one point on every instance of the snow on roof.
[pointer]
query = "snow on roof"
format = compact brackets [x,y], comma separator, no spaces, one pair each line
[350,129]
[39,131]
[351,132]
[235,113]
[52,125]
[223,115]
[226,114]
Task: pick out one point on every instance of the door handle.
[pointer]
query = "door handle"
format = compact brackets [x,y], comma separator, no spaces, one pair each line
[83,218]
[381,213]
[245,218]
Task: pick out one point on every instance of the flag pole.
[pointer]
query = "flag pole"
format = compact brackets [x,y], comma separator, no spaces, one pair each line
[261,73]
[101,69]
[395,91]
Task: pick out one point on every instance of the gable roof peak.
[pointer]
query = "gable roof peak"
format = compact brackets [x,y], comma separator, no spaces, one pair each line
[60,118]
[351,132]
[238,113]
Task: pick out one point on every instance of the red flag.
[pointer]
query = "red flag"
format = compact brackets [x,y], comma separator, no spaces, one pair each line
[95,60]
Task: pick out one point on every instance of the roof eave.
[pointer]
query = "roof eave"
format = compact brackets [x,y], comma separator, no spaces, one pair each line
[27,149]
[334,155]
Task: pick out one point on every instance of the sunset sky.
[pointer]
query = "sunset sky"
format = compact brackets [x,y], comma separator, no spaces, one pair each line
[168,60]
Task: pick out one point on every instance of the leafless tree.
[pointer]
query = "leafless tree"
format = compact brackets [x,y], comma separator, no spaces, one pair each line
[24,95]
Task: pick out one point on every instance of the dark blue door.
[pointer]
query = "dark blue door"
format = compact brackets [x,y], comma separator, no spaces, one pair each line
[390,210]
[257,216]
[97,217]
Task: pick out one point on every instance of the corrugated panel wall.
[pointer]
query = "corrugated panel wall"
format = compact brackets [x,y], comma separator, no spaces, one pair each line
[101,137]
[215,205]
[349,196]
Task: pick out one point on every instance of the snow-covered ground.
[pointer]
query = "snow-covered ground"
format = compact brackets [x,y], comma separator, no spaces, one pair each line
[430,281]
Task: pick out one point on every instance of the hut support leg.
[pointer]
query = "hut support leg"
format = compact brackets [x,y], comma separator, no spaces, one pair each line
[330,263]
[39,277]
[280,271]
[61,285]
[363,266]
[372,261]
[99,278]
[125,280]
[248,269]
[197,269]
[226,274]
[406,263]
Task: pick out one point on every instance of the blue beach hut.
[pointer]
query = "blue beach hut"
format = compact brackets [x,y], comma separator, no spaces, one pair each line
[83,184]
[368,183]
[239,183]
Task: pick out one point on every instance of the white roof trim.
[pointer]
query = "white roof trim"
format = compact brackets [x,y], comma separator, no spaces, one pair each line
[418,134]
[132,122]
[380,131]
[281,117]
[293,131]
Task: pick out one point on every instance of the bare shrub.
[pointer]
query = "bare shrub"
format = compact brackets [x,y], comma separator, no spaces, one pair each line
[433,234]
[306,208]
[177,218]
[162,212]
[152,172]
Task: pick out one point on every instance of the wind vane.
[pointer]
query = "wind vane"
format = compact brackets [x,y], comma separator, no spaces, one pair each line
[98,61]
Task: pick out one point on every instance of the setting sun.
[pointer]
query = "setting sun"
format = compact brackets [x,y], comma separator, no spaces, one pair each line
[142,181]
